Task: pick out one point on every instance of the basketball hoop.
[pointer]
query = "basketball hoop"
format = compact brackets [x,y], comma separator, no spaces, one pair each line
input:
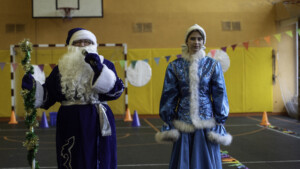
[67,12]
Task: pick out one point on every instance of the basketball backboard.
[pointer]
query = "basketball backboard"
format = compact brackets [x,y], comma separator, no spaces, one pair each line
[57,8]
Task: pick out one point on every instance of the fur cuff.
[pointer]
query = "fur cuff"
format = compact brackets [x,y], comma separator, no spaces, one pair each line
[167,136]
[201,124]
[106,81]
[183,127]
[39,95]
[220,139]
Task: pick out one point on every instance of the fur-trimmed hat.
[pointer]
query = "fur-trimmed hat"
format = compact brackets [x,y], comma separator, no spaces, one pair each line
[80,33]
[198,28]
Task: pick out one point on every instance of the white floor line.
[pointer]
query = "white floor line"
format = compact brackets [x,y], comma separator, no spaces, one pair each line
[239,125]
[291,135]
[262,162]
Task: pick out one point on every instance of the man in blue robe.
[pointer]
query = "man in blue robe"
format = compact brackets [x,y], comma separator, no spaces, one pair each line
[82,82]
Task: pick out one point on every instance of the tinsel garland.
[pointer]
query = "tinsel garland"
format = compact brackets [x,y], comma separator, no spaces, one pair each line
[32,140]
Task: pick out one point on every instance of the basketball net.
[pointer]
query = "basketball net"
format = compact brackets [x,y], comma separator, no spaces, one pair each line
[67,13]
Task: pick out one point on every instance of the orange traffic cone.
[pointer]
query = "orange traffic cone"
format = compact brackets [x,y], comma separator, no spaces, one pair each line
[127,116]
[265,121]
[13,118]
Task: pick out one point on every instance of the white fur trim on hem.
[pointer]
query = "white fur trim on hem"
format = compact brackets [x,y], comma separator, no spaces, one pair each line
[201,124]
[39,95]
[218,138]
[183,127]
[167,136]
[105,81]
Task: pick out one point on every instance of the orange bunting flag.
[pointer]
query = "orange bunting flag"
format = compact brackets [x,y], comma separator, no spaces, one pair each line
[268,39]
[246,44]
[290,33]
[278,36]
[233,46]
[213,52]
[256,42]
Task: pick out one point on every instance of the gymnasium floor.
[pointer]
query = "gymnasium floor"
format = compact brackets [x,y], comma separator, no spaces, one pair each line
[253,147]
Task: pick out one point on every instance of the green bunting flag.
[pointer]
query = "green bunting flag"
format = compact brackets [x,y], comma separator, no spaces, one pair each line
[278,36]
[290,33]
[133,63]
[122,63]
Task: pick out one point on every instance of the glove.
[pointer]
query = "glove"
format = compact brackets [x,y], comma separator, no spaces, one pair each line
[94,61]
[27,82]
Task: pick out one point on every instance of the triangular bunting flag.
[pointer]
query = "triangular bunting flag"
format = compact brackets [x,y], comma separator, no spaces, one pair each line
[290,33]
[179,56]
[157,60]
[246,44]
[41,66]
[52,66]
[2,64]
[213,52]
[256,42]
[133,63]
[167,58]
[14,65]
[224,49]
[233,46]
[146,60]
[268,39]
[278,36]
[122,63]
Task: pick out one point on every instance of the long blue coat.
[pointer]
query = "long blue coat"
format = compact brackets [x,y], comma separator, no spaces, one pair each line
[79,143]
[194,107]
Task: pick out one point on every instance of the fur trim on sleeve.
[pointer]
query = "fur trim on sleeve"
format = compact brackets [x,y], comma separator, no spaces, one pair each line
[39,95]
[220,139]
[105,81]
[167,136]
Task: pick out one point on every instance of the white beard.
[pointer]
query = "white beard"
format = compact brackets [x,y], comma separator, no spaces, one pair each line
[76,75]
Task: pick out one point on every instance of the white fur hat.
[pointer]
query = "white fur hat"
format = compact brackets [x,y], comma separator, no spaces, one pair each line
[198,28]
[80,33]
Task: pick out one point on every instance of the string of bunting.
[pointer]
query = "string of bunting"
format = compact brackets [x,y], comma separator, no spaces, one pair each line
[267,39]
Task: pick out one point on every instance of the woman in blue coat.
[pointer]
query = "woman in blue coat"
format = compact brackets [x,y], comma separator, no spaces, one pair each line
[194,107]
[82,82]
